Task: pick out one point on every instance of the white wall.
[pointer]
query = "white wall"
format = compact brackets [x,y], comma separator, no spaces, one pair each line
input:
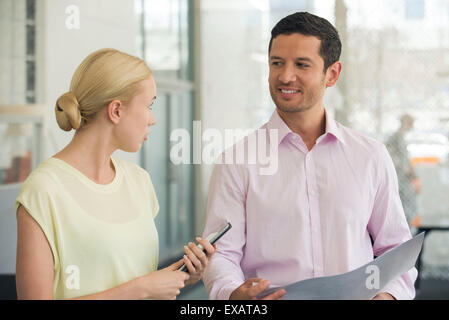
[103,23]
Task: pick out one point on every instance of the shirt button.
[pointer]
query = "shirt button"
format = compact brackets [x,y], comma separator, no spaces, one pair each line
[312,193]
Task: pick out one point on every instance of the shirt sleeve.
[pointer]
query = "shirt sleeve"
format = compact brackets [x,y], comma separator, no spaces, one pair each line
[388,225]
[226,203]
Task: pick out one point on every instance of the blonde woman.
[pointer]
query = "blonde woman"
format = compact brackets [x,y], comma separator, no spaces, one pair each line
[85,219]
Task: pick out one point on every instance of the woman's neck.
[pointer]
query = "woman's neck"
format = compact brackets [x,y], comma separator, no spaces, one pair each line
[90,152]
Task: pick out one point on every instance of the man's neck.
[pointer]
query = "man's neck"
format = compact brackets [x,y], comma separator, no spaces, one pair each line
[309,124]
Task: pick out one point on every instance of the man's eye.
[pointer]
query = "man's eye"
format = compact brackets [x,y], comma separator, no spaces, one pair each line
[276,63]
[302,65]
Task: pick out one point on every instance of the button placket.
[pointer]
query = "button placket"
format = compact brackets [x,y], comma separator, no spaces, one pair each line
[314,215]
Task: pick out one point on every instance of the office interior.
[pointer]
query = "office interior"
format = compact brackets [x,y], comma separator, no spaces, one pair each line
[210,63]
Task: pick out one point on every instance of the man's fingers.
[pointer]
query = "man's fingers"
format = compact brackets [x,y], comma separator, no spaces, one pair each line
[250,281]
[262,285]
[277,295]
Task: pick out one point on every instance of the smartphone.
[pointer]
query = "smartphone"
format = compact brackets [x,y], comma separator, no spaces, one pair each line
[212,238]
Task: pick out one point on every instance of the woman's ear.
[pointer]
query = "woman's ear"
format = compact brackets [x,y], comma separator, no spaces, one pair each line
[115,111]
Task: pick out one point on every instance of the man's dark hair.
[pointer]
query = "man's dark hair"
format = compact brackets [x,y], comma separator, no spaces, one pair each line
[311,25]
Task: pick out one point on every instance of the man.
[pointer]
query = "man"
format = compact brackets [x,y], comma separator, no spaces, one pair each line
[409,185]
[333,188]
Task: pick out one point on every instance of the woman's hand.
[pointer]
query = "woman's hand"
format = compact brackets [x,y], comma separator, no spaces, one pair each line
[196,260]
[164,284]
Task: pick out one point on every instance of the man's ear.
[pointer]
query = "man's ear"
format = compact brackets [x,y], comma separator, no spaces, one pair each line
[333,73]
[115,111]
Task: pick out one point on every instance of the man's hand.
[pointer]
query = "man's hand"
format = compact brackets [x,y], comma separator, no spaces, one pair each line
[248,291]
[384,296]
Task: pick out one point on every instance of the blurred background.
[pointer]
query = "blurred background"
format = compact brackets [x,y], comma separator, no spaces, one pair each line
[209,59]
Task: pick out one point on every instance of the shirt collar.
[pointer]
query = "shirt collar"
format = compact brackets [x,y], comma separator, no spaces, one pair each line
[276,122]
[332,127]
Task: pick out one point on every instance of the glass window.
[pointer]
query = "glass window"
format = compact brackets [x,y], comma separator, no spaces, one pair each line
[414,9]
[165,43]
[20,125]
[164,37]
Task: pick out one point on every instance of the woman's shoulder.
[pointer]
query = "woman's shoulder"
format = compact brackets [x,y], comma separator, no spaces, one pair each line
[38,190]
[41,178]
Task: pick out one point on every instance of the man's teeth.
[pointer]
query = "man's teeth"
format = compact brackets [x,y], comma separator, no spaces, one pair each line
[289,91]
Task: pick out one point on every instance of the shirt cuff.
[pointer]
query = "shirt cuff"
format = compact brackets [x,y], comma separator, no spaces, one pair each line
[226,291]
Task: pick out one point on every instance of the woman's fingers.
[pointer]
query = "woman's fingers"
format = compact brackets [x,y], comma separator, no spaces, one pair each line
[206,245]
[176,265]
[192,256]
[198,251]
[189,265]
[196,259]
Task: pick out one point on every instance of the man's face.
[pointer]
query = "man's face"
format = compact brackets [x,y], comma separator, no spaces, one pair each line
[297,80]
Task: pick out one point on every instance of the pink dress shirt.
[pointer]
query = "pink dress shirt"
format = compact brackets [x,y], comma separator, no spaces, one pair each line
[312,218]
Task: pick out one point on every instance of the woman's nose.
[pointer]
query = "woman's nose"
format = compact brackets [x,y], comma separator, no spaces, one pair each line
[152,121]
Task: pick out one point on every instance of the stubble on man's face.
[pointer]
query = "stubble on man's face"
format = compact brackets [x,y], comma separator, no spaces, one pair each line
[297,82]
[310,98]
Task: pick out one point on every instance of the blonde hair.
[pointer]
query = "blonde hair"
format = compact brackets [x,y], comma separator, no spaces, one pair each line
[103,76]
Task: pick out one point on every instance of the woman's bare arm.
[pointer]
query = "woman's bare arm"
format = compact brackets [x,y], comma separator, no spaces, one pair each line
[34,261]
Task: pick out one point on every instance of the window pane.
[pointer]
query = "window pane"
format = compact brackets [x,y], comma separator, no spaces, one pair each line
[166,37]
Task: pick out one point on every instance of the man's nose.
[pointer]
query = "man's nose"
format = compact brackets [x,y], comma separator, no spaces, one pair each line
[287,74]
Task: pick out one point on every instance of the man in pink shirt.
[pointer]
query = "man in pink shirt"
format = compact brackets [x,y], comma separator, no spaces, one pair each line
[332,191]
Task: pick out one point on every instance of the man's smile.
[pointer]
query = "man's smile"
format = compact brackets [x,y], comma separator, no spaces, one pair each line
[288,93]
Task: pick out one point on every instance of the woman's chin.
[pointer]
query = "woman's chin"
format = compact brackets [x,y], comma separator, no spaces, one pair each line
[132,149]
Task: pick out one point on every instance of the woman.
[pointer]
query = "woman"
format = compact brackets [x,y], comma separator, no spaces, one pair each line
[85,220]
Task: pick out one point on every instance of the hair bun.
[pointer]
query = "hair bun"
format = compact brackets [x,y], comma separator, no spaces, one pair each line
[67,112]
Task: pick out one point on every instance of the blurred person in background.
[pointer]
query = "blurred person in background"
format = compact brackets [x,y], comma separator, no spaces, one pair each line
[409,185]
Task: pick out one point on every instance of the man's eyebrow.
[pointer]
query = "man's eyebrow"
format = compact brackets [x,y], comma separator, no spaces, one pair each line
[304,59]
[297,59]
